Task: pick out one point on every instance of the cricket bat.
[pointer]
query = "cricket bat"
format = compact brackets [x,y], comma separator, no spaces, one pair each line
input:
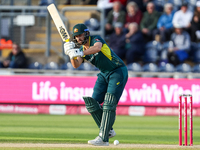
[58,22]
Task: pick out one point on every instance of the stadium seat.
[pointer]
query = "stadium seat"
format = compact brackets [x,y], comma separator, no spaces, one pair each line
[87,67]
[183,68]
[196,68]
[192,5]
[152,52]
[193,49]
[135,67]
[159,4]
[197,56]
[165,45]
[67,66]
[51,66]
[177,4]
[151,55]
[35,65]
[166,67]
[92,24]
[153,44]
[150,67]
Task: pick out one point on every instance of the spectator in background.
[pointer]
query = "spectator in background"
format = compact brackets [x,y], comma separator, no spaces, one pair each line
[164,24]
[115,15]
[135,43]
[117,40]
[123,3]
[16,58]
[106,5]
[141,4]
[178,51]
[183,17]
[133,14]
[195,24]
[149,22]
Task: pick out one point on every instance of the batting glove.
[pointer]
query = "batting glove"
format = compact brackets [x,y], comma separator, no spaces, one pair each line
[68,46]
[75,53]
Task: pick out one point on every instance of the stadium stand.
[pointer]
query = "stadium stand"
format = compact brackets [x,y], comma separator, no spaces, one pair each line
[183,68]
[154,49]
[151,55]
[196,68]
[67,66]
[87,67]
[197,56]
[150,67]
[35,65]
[136,67]
[51,66]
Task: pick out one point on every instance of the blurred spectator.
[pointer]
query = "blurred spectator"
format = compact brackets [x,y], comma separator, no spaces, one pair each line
[149,22]
[106,5]
[135,43]
[133,14]
[16,58]
[123,3]
[88,2]
[141,4]
[115,15]
[195,24]
[180,46]
[117,40]
[164,24]
[183,17]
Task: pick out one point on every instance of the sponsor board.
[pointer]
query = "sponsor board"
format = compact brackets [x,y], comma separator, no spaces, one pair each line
[57,109]
[81,110]
[136,111]
[23,109]
[70,90]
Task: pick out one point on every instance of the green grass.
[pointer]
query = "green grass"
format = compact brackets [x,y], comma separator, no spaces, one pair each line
[81,128]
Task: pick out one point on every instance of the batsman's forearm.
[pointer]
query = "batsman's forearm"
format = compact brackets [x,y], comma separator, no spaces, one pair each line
[76,62]
[93,49]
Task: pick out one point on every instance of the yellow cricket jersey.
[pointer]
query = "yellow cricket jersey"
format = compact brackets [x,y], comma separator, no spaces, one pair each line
[105,60]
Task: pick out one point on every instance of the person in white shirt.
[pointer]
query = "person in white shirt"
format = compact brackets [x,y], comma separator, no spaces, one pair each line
[183,16]
[179,45]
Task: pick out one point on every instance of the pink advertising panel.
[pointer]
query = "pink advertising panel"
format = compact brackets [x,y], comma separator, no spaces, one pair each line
[69,90]
[81,110]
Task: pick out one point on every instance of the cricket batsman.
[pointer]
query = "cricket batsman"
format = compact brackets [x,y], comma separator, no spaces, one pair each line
[110,82]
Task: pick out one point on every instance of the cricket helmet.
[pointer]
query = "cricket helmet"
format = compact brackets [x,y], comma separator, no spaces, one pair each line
[79,29]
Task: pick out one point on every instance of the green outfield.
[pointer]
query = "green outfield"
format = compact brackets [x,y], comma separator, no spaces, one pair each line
[55,129]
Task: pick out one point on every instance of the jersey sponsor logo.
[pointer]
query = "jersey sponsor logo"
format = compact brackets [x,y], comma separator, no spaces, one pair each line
[93,56]
[75,30]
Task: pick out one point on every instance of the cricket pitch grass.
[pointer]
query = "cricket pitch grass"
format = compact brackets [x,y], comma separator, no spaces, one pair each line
[71,132]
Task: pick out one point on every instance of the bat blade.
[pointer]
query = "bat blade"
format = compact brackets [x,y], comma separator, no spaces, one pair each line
[58,22]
